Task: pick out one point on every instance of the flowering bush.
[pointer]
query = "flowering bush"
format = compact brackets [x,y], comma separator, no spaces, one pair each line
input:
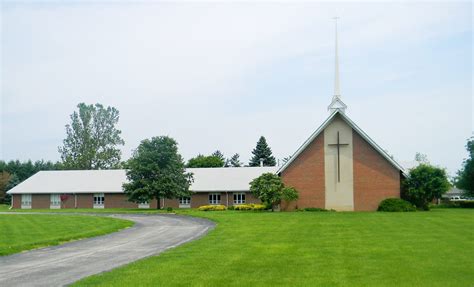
[212,208]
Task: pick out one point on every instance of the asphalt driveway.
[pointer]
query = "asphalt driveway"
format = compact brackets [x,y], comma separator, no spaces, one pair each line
[67,263]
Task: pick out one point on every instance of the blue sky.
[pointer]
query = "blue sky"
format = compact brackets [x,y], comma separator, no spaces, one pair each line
[217,76]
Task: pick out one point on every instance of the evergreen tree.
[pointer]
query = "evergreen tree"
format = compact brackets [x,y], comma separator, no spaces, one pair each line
[264,152]
[234,161]
[219,155]
[465,177]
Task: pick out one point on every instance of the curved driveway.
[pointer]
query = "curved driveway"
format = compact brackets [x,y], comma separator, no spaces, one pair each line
[67,263]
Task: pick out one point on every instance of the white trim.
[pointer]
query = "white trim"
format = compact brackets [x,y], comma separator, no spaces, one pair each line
[97,203]
[184,202]
[355,127]
[55,201]
[240,200]
[216,198]
[26,200]
[144,205]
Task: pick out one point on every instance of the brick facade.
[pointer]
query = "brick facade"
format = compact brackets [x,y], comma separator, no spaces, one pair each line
[119,200]
[306,174]
[374,177]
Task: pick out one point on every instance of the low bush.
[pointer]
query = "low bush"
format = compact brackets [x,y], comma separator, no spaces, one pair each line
[212,208]
[395,205]
[316,209]
[466,204]
[257,207]
[169,209]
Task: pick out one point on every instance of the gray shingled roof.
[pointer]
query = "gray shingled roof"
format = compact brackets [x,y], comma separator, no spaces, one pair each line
[110,181]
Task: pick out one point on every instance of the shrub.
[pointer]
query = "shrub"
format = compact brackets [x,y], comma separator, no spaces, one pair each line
[395,205]
[212,208]
[315,209]
[466,204]
[169,209]
[249,207]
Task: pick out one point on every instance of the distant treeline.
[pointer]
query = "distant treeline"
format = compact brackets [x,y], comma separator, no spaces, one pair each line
[15,171]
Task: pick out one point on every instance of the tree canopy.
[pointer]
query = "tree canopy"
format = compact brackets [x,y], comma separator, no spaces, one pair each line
[156,170]
[262,152]
[92,138]
[425,183]
[205,161]
[465,176]
[270,189]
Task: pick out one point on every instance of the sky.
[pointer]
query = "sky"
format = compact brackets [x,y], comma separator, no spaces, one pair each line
[219,75]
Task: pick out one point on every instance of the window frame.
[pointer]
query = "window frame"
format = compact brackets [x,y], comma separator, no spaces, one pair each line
[54,201]
[240,200]
[96,200]
[26,204]
[184,202]
[214,198]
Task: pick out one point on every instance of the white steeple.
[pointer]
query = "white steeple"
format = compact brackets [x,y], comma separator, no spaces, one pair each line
[336,103]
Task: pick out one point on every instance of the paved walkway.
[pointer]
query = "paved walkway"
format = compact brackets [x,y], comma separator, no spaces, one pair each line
[67,263]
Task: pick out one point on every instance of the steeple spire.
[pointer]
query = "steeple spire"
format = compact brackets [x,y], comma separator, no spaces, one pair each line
[336,103]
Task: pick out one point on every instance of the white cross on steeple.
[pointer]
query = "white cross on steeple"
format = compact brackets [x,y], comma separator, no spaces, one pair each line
[336,103]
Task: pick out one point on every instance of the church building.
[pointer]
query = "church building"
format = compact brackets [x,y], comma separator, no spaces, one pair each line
[338,167]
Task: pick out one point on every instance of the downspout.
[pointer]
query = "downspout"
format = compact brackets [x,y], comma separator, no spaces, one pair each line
[11,201]
[227,198]
[75,200]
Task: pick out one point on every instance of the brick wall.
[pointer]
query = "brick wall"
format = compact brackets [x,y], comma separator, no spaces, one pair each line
[202,198]
[118,200]
[16,200]
[374,177]
[40,201]
[306,174]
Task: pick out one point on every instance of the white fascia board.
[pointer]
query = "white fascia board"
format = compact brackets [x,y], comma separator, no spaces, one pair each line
[307,142]
[355,127]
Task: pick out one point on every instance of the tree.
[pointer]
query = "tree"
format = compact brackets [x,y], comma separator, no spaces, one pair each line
[4,180]
[156,170]
[205,161]
[421,158]
[262,152]
[92,138]
[465,176]
[219,155]
[286,159]
[270,189]
[425,183]
[234,161]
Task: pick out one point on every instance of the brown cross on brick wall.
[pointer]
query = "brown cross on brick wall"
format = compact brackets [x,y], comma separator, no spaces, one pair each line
[338,145]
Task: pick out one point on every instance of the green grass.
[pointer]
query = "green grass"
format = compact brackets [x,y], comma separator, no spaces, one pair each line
[4,207]
[27,231]
[433,248]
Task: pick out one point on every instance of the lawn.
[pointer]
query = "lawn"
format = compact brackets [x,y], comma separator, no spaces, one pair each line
[27,231]
[433,248]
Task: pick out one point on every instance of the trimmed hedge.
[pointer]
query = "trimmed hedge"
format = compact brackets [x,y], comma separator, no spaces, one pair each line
[395,205]
[258,207]
[315,209]
[212,208]
[466,204]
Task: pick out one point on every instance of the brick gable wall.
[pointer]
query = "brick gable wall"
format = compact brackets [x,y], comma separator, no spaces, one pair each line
[374,177]
[306,174]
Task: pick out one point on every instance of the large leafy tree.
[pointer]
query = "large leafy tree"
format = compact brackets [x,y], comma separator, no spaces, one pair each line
[262,152]
[156,170]
[92,138]
[270,189]
[205,161]
[465,176]
[425,183]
